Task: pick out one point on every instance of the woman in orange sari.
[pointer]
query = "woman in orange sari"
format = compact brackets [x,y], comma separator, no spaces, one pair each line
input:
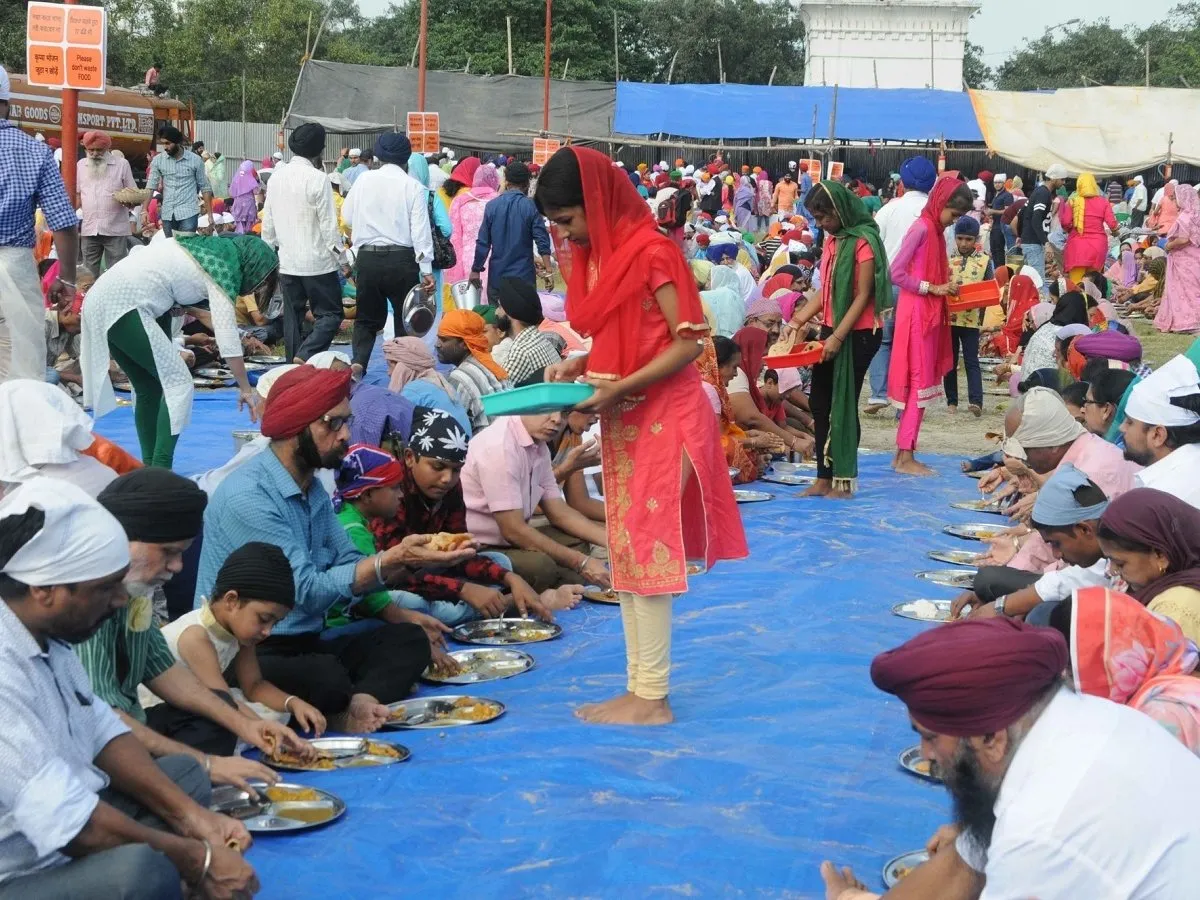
[733,438]
[668,496]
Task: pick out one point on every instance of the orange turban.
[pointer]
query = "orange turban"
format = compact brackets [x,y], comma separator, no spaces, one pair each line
[96,140]
[301,397]
[468,326]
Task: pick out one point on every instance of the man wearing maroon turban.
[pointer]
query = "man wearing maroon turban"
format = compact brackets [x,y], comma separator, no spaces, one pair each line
[348,673]
[1056,795]
[105,231]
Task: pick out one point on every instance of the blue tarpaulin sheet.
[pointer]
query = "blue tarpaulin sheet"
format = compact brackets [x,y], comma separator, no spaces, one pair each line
[731,111]
[783,754]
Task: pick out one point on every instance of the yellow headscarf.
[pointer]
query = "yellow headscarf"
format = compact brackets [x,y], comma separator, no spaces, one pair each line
[702,272]
[1085,187]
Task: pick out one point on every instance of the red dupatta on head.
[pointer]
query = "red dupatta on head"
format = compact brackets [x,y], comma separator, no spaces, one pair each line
[752,342]
[1022,297]
[607,278]
[937,263]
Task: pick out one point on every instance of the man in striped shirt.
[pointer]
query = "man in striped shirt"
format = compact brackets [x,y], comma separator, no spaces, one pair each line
[162,513]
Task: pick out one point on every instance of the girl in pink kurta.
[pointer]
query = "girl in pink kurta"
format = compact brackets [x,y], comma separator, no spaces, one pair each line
[466,218]
[921,350]
[1180,306]
[1084,218]
[667,493]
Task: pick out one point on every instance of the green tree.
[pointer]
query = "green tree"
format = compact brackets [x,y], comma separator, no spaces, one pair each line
[1094,53]
[754,38]
[474,31]
[1174,48]
[976,73]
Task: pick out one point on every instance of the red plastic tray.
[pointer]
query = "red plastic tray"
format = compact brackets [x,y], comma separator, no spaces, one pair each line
[793,360]
[975,296]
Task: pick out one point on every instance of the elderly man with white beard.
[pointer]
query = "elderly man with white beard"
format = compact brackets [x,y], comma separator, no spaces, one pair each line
[105,229]
[162,513]
[1056,795]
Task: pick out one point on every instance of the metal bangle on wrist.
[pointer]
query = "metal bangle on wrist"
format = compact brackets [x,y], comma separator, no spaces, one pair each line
[208,855]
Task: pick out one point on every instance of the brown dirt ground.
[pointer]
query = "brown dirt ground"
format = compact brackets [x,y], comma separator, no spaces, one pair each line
[962,434]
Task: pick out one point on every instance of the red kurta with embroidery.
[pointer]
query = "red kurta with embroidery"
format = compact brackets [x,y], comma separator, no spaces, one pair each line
[654,527]
[667,493]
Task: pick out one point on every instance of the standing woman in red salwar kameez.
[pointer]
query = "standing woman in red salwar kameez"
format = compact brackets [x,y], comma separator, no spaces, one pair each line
[921,351]
[667,493]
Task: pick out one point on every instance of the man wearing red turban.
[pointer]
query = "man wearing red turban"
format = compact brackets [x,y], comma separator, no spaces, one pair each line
[105,229]
[1056,794]
[351,672]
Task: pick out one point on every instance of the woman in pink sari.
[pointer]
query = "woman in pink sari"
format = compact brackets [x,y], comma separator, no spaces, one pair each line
[921,354]
[1084,219]
[241,189]
[1125,653]
[1162,219]
[466,218]
[1180,306]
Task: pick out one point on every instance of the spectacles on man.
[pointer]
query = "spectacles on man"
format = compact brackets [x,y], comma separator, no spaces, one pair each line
[336,423]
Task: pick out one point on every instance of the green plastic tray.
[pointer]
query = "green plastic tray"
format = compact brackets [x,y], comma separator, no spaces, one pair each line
[537,398]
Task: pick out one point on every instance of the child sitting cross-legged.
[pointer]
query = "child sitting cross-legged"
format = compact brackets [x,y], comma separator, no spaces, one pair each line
[255,588]
[431,501]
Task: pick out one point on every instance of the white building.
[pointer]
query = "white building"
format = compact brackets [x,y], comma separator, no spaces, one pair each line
[886,43]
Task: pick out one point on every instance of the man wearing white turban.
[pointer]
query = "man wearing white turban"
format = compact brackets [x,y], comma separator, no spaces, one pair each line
[1162,430]
[83,803]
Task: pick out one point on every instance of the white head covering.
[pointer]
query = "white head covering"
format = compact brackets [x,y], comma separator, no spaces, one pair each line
[6,86]
[664,165]
[39,424]
[326,358]
[1045,422]
[689,170]
[722,237]
[1150,400]
[278,154]
[202,222]
[80,540]
[792,164]
[999,176]
[355,151]
[1033,275]
[226,218]
[268,378]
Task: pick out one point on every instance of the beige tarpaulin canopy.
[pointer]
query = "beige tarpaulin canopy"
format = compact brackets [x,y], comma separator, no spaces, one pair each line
[1103,130]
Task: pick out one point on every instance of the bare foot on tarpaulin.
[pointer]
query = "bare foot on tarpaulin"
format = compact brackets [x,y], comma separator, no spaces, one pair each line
[912,467]
[819,488]
[566,597]
[364,715]
[628,709]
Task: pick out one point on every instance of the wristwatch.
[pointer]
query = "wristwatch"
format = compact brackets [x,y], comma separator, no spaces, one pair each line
[999,604]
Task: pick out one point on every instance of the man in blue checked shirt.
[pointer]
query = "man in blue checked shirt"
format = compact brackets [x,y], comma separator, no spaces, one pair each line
[29,178]
[349,673]
[179,174]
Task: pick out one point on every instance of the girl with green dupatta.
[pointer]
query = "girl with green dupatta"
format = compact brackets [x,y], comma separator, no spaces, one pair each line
[127,317]
[854,288]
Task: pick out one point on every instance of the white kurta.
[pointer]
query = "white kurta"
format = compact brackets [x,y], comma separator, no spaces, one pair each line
[22,321]
[158,279]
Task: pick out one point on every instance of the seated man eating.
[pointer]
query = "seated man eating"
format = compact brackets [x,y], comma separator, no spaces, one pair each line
[508,473]
[84,811]
[161,513]
[350,676]
[431,502]
[461,343]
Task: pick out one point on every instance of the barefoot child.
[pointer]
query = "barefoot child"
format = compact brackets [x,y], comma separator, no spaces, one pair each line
[426,498]
[668,496]
[854,285]
[921,354]
[253,591]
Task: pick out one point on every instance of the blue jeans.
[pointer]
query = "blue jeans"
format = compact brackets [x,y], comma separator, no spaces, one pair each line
[1035,256]
[968,340]
[191,223]
[445,611]
[878,373]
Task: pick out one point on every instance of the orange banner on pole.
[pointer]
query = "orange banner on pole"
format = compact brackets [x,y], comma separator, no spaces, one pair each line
[425,132]
[66,46]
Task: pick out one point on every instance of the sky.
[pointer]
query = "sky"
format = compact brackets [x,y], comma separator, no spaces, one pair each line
[1004,25]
